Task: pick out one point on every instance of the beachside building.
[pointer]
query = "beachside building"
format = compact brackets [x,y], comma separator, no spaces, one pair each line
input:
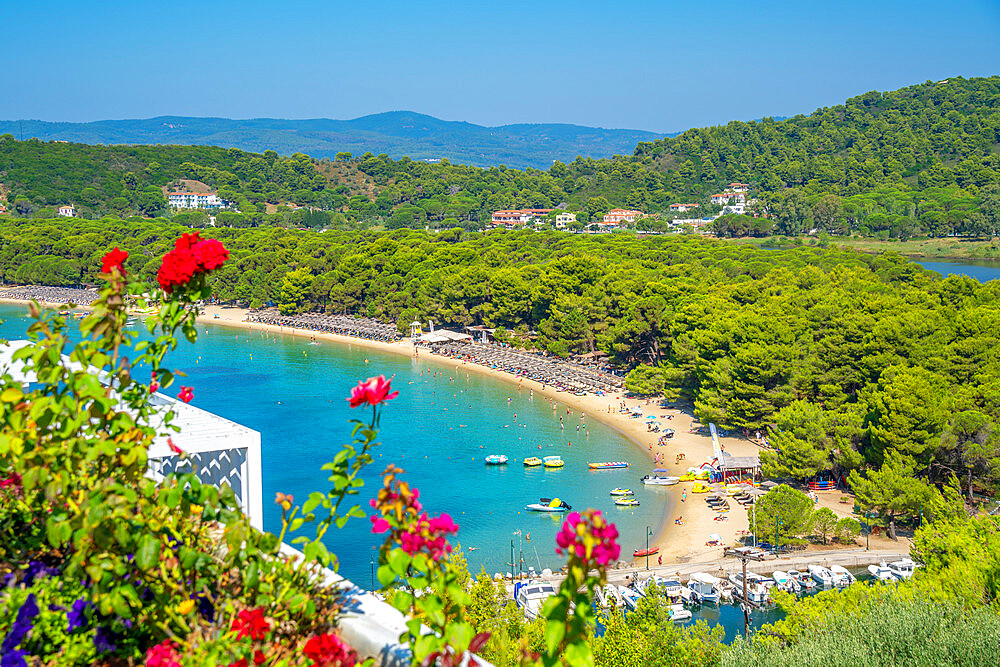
[206,200]
[564,219]
[724,198]
[738,187]
[682,208]
[516,217]
[616,216]
[67,211]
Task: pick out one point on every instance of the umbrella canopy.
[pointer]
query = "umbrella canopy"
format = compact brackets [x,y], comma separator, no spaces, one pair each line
[714,537]
[756,493]
[769,484]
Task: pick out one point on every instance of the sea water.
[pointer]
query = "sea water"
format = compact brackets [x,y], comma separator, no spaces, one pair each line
[439,429]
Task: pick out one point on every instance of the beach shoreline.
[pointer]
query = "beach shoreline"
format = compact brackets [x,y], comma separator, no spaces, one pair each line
[675,543]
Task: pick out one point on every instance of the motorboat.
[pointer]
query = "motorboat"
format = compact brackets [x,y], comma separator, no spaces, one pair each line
[882,572]
[725,588]
[627,502]
[656,480]
[673,589]
[532,461]
[553,462]
[802,578]
[612,597]
[902,569]
[531,596]
[841,577]
[607,465]
[630,597]
[678,613]
[783,582]
[621,492]
[548,505]
[496,459]
[703,587]
[756,590]
[821,575]
[639,553]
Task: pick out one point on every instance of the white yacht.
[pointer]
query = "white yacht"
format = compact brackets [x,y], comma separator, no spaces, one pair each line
[902,569]
[803,579]
[532,595]
[784,582]
[656,480]
[841,577]
[630,597]
[821,575]
[881,572]
[673,589]
[678,613]
[703,587]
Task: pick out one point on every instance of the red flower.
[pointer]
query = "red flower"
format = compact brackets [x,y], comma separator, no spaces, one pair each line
[177,269]
[115,258]
[186,394]
[372,391]
[153,384]
[174,448]
[14,481]
[210,254]
[328,650]
[191,256]
[162,655]
[258,659]
[251,623]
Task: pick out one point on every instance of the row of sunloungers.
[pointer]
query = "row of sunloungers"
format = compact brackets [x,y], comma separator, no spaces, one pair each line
[345,325]
[562,375]
[60,295]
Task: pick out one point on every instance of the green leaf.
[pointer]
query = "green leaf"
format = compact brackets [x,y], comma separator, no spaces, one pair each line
[579,654]
[385,575]
[399,561]
[148,552]
[315,498]
[554,633]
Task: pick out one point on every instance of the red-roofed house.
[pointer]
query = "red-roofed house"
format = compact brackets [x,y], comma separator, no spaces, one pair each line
[681,208]
[519,216]
[619,215]
[739,187]
[67,211]
[729,197]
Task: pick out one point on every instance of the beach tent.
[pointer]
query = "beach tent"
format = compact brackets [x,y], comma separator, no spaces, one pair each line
[715,538]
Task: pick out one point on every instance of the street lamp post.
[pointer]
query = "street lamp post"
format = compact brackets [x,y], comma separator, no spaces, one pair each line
[777,522]
[373,572]
[648,533]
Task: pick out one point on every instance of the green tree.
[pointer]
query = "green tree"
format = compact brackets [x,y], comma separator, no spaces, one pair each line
[781,513]
[800,442]
[892,490]
[645,380]
[907,411]
[824,522]
[295,289]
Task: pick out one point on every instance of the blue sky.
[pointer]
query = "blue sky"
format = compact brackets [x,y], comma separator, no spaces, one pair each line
[659,66]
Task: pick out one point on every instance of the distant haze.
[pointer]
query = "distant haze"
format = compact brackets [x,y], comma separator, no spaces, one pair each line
[397,133]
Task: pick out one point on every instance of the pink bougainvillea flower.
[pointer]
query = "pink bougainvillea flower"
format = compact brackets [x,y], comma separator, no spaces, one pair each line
[372,391]
[186,394]
[251,623]
[328,650]
[114,259]
[153,384]
[162,655]
[379,525]
[174,448]
[589,537]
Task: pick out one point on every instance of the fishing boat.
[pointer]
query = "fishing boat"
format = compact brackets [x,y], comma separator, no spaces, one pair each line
[607,465]
[656,480]
[548,505]
[841,577]
[639,553]
[756,591]
[802,579]
[821,575]
[621,492]
[496,459]
[531,596]
[553,462]
[627,502]
[532,461]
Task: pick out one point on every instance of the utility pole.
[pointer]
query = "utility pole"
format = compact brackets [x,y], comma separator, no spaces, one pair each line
[648,533]
[512,560]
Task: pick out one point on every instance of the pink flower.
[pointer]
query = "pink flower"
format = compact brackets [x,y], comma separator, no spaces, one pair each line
[174,448]
[162,655]
[372,391]
[379,525]
[153,384]
[589,538]
[186,394]
[428,535]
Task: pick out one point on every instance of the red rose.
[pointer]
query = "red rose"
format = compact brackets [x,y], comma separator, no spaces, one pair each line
[177,269]
[251,623]
[115,258]
[328,650]
[186,394]
[210,254]
[372,391]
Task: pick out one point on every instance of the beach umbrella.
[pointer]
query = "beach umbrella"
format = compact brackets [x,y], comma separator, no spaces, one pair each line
[769,484]
[757,493]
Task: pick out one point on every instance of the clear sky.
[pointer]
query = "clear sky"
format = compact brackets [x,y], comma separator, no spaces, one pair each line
[660,66]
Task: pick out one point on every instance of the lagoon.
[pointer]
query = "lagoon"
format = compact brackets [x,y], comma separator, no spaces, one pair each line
[981,270]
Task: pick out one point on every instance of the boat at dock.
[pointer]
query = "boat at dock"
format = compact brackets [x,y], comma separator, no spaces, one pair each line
[549,505]
[902,569]
[496,459]
[882,572]
[821,575]
[841,577]
[553,462]
[607,465]
[531,596]
[703,587]
[784,582]
[532,461]
[802,578]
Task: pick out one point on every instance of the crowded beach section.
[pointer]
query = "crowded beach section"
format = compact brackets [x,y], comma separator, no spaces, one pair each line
[581,392]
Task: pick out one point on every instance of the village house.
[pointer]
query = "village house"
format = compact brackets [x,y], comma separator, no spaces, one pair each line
[682,208]
[519,216]
[205,200]
[564,219]
[729,197]
[738,187]
[616,216]
[67,211]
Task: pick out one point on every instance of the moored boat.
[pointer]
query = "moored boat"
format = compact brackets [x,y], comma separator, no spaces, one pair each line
[703,587]
[553,462]
[821,575]
[902,569]
[619,491]
[802,578]
[784,582]
[881,572]
[627,502]
[549,505]
[656,480]
[532,595]
[532,461]
[496,459]
[606,465]
[639,553]
[841,577]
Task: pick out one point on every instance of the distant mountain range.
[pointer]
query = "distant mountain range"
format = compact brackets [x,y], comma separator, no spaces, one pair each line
[397,133]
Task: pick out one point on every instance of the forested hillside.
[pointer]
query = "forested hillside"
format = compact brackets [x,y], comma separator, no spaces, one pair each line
[921,160]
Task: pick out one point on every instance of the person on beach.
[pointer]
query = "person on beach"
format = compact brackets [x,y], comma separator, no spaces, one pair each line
[659,560]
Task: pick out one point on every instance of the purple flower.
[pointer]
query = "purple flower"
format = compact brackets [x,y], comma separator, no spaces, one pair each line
[206,608]
[37,569]
[10,655]
[104,640]
[77,616]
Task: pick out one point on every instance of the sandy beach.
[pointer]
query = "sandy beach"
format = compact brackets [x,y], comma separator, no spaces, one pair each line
[677,544]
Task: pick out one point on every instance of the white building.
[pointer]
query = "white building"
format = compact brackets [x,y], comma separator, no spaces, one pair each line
[682,208]
[738,187]
[564,219]
[67,211]
[209,200]
[729,197]
[619,215]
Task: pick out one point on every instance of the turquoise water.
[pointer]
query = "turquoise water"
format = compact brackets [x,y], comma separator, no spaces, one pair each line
[438,430]
[981,270]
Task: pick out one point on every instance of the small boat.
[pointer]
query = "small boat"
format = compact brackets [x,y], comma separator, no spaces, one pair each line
[902,569]
[606,465]
[656,480]
[621,492]
[548,505]
[496,459]
[784,582]
[703,587]
[841,577]
[802,578]
[612,596]
[627,502]
[639,553]
[672,588]
[678,613]
[756,590]
[532,461]
[531,596]
[821,575]
[881,572]
[553,462]
[630,597]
